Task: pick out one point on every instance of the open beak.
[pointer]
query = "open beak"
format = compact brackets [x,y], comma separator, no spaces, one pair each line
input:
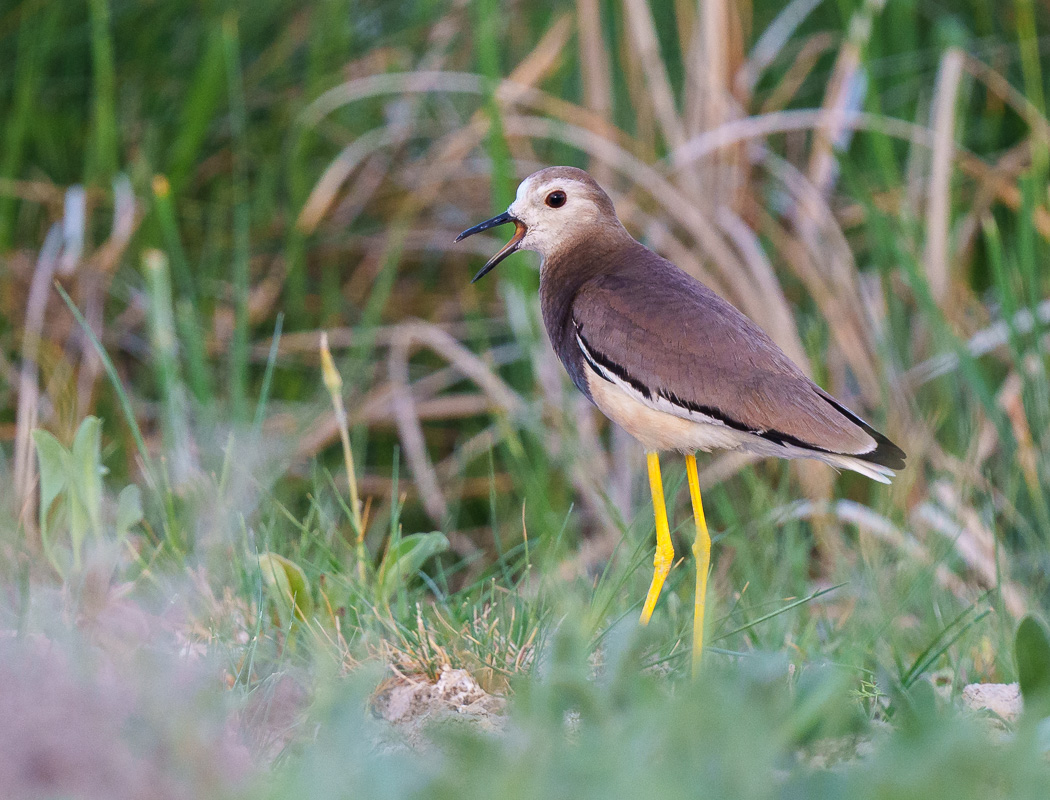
[508,248]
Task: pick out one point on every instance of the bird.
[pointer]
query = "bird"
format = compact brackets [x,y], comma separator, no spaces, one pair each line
[670,361]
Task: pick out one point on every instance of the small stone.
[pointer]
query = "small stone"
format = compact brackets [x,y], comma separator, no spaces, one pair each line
[1003,699]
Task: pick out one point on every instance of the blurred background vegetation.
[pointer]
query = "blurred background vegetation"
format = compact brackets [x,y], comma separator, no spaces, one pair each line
[190,193]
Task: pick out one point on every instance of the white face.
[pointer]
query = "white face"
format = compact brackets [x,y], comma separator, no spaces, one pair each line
[550,225]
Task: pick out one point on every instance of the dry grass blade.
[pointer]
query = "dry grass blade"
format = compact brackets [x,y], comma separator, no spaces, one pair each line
[825,264]
[407,416]
[996,183]
[772,41]
[723,467]
[938,255]
[951,517]
[1011,400]
[643,30]
[778,321]
[573,441]
[878,527]
[125,220]
[805,61]
[326,190]
[594,66]
[981,343]
[448,153]
[842,99]
[714,67]
[540,61]
[375,407]
[95,277]
[397,83]
[41,192]
[74,222]
[477,445]
[1000,86]
[410,433]
[306,343]
[28,380]
[844,94]
[763,125]
[715,56]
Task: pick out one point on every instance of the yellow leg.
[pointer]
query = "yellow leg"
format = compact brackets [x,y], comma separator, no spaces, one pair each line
[664,548]
[702,554]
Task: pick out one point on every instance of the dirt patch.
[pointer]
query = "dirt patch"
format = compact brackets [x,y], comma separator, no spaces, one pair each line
[412,702]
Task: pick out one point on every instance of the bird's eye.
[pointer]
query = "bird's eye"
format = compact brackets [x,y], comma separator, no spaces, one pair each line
[556,199]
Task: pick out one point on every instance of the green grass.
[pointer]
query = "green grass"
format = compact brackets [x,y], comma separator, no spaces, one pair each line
[502,527]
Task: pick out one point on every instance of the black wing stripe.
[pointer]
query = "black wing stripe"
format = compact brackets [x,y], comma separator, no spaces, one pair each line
[602,364]
[707,411]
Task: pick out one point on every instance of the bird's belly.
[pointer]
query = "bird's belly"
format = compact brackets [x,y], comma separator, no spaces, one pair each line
[658,430]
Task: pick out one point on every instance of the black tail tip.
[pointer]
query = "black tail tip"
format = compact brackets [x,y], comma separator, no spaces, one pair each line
[886,453]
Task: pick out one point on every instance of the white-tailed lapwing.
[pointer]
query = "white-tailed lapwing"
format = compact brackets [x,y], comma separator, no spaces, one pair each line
[663,356]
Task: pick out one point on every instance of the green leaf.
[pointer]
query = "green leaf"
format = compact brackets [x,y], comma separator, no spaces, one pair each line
[915,707]
[1042,735]
[129,510]
[1032,653]
[55,469]
[288,580]
[87,477]
[405,558]
[54,462]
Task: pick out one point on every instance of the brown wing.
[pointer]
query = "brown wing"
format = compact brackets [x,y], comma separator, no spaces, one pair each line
[670,337]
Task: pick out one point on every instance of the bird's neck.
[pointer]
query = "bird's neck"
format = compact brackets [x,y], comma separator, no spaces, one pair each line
[565,271]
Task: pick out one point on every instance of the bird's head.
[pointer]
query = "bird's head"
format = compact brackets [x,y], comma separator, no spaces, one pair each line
[554,210]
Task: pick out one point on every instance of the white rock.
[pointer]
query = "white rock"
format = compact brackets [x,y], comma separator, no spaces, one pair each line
[1003,699]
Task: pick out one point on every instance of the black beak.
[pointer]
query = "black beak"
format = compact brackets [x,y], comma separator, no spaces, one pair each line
[510,247]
